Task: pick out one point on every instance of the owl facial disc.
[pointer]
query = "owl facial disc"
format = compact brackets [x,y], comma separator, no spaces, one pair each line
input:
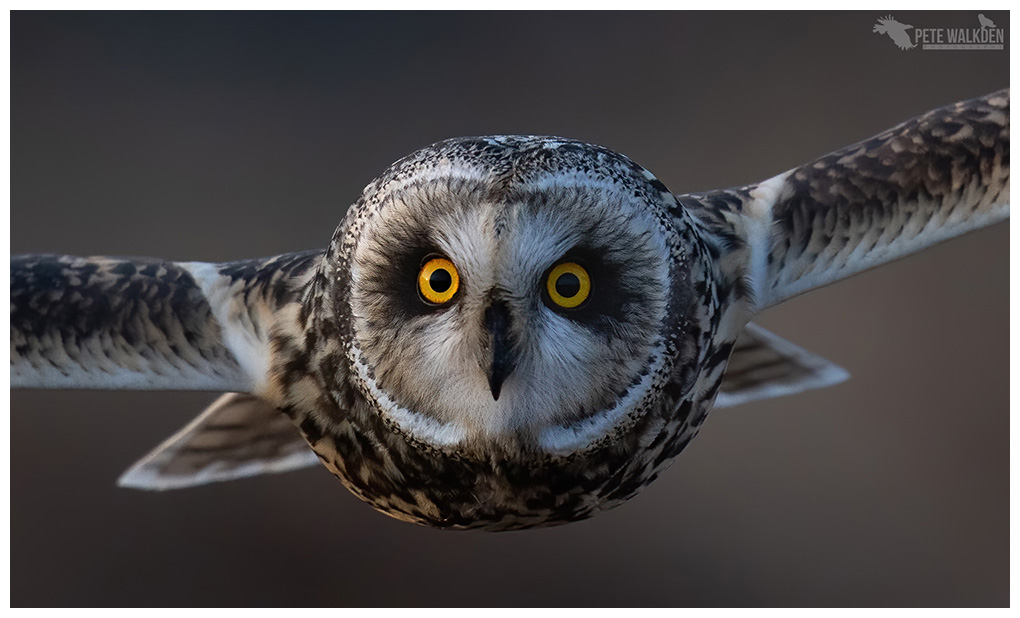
[509,306]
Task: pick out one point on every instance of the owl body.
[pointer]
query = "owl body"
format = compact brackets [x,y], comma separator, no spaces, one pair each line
[505,331]
[600,399]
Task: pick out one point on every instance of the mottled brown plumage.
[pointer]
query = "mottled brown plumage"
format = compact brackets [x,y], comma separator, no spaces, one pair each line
[395,394]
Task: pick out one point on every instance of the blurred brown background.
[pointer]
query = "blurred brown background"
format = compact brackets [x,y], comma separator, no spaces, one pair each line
[222,136]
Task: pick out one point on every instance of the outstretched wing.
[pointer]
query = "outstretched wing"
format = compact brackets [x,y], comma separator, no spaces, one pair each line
[929,179]
[142,323]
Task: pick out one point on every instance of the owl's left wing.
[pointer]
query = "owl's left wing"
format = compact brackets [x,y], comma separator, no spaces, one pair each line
[929,179]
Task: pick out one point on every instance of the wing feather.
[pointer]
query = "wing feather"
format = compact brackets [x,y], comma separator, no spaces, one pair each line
[140,323]
[929,179]
[237,436]
[764,365]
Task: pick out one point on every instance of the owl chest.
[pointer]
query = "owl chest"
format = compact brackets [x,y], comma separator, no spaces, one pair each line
[417,483]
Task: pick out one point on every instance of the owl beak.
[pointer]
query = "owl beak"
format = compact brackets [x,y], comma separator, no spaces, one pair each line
[504,358]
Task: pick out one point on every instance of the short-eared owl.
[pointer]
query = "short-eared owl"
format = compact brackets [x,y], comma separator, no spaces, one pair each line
[505,331]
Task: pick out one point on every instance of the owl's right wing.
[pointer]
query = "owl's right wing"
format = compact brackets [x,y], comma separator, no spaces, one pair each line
[114,323]
[929,179]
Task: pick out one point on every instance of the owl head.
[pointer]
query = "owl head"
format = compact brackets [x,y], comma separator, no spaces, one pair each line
[517,296]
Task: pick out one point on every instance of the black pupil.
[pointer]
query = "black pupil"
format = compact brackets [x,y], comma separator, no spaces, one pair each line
[440,280]
[568,285]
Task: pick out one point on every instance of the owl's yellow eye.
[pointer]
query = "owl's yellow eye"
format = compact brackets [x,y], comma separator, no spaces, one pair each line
[568,285]
[438,280]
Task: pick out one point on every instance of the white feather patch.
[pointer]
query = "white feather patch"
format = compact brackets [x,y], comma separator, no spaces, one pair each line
[563,440]
[758,226]
[250,351]
[417,425]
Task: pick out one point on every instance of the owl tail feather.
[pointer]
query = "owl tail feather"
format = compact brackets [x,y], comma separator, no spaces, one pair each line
[763,366]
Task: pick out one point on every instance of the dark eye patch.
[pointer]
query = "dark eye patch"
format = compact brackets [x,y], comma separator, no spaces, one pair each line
[390,281]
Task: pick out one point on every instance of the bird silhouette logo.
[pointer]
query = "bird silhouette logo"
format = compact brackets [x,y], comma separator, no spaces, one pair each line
[896,31]
[985,22]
